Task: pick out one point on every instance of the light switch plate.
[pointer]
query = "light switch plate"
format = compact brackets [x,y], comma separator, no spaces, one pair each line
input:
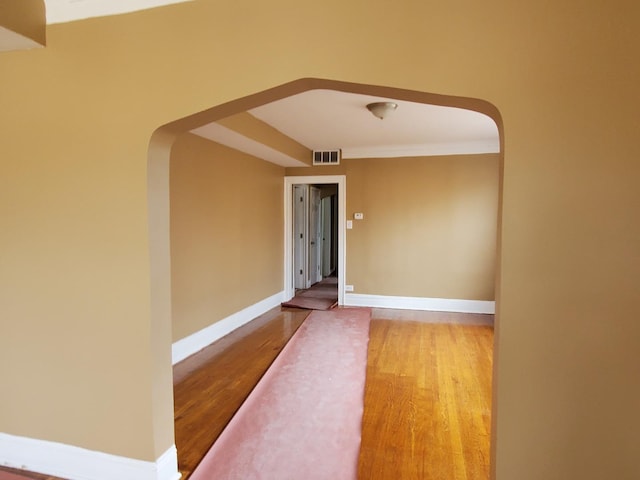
[349,224]
[358,216]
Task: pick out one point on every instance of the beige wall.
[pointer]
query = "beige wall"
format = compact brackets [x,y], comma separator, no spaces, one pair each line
[86,361]
[429,230]
[226,232]
[429,227]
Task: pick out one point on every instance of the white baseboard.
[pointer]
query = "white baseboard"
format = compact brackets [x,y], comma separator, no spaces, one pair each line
[420,303]
[75,463]
[197,341]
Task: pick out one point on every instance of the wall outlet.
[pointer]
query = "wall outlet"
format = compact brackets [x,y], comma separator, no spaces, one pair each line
[349,224]
[348,288]
[358,216]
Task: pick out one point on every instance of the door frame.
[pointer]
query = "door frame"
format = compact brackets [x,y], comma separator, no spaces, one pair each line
[289,182]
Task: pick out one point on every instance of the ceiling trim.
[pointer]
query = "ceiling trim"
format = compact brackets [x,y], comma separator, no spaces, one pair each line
[424,150]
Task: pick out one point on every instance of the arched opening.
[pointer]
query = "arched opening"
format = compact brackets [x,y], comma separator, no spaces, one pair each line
[159,185]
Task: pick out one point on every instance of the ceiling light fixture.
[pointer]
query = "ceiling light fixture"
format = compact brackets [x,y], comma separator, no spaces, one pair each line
[382,109]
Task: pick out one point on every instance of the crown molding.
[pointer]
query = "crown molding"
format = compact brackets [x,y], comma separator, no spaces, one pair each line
[425,150]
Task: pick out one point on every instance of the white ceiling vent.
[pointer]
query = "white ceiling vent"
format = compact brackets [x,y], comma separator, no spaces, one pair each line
[326,157]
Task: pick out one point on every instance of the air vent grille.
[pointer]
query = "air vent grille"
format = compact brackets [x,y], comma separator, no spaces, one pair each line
[326,157]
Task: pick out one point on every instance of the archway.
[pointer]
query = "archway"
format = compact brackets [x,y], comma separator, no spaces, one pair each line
[158,192]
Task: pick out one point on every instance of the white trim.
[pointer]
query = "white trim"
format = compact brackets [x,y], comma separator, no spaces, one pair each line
[205,337]
[341,180]
[167,465]
[421,303]
[75,463]
[426,150]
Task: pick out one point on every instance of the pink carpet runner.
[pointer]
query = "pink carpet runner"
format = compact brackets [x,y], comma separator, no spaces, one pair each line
[303,420]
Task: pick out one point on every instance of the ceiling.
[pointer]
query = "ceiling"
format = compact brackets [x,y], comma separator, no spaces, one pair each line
[61,11]
[327,119]
[330,120]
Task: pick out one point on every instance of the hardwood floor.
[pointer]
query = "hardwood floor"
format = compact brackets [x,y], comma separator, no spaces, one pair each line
[30,475]
[211,385]
[427,397]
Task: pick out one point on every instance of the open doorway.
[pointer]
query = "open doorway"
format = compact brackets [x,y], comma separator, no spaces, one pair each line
[315,210]
[314,241]
[315,234]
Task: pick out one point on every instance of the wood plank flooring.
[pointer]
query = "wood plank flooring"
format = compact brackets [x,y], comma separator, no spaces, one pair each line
[30,475]
[427,396]
[210,386]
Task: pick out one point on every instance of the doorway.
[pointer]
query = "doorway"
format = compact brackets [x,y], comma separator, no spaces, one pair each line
[315,233]
[314,236]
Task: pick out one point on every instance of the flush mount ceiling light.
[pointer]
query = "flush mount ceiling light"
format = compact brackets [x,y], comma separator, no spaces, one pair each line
[382,109]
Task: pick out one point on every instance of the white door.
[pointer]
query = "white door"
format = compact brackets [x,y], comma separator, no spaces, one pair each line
[315,252]
[300,236]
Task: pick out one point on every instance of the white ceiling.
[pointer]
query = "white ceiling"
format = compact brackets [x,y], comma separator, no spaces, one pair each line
[61,11]
[329,120]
